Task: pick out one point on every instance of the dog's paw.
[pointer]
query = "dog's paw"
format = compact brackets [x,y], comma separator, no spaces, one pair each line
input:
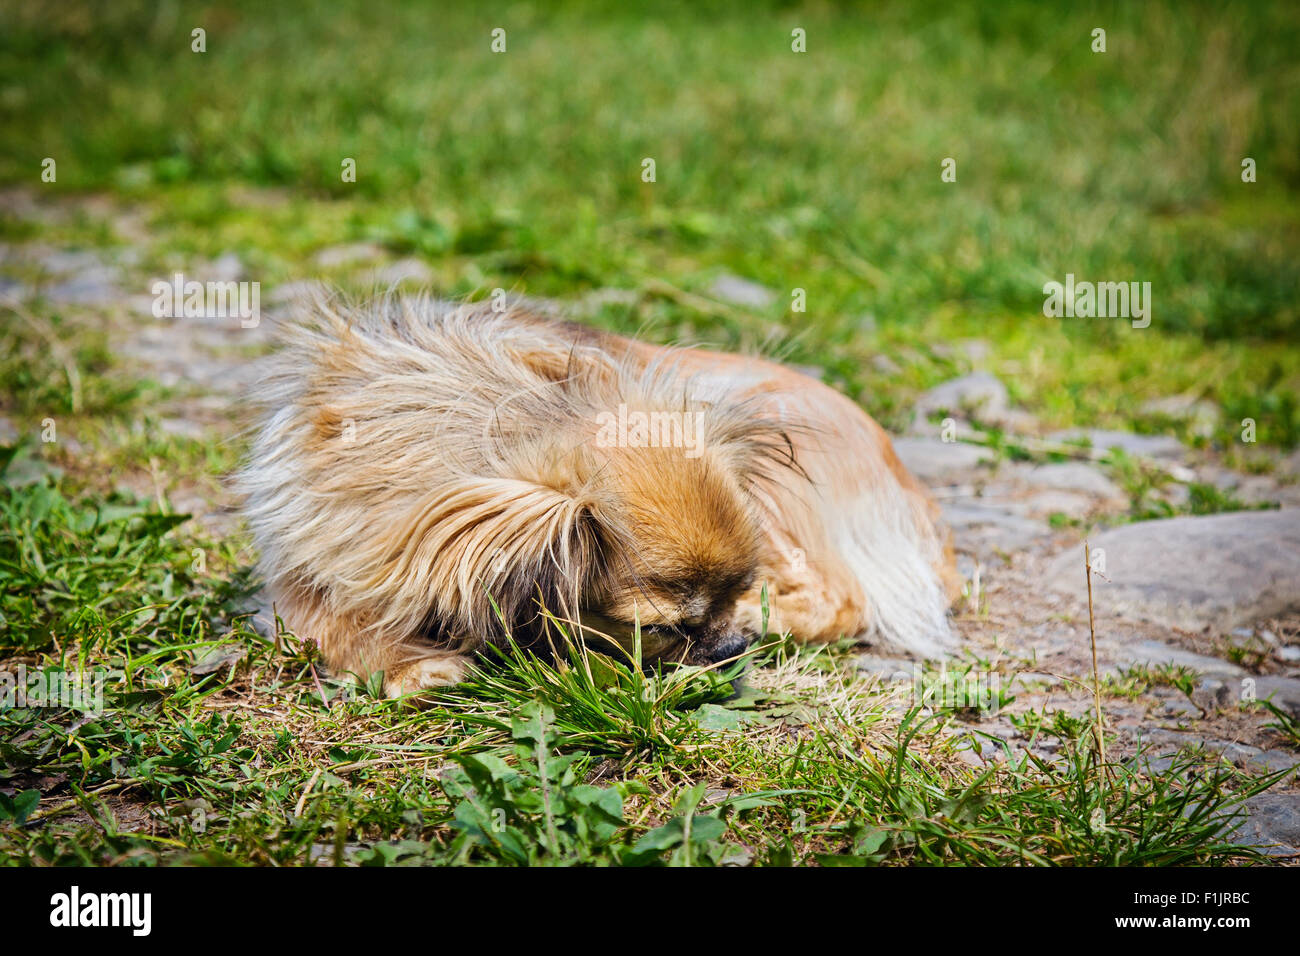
[426,673]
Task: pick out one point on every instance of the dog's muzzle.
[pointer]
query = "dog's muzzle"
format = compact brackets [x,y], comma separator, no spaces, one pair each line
[717,647]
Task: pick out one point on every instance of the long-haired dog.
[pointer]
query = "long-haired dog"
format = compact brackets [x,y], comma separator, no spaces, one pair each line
[430,478]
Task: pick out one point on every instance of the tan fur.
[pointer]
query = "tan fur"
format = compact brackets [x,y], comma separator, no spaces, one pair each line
[428,478]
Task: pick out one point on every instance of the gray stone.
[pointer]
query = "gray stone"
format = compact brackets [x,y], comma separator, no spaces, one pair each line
[1290,653]
[95,286]
[1251,489]
[979,393]
[1242,755]
[1156,654]
[889,668]
[215,658]
[8,432]
[1282,692]
[1042,504]
[982,529]
[932,460]
[598,298]
[1253,758]
[63,262]
[885,365]
[1140,446]
[1212,571]
[332,257]
[1178,495]
[977,350]
[1272,823]
[1028,679]
[738,291]
[12,290]
[1201,416]
[967,566]
[227,267]
[182,427]
[26,470]
[1070,476]
[1211,695]
[299,290]
[1181,707]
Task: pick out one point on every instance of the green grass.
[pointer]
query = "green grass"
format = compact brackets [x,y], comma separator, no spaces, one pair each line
[1285,724]
[213,743]
[817,171]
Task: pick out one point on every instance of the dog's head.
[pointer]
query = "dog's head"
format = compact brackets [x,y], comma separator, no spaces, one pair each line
[681,547]
[628,508]
[666,532]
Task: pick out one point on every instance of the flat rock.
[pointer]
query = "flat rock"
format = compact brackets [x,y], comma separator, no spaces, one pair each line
[738,291]
[979,393]
[13,290]
[227,267]
[1048,502]
[1283,692]
[1272,823]
[1140,446]
[94,286]
[885,365]
[983,528]
[1246,757]
[1069,476]
[1253,758]
[182,427]
[64,262]
[889,668]
[1157,654]
[1214,571]
[931,459]
[295,292]
[1251,489]
[332,257]
[597,299]
[1200,415]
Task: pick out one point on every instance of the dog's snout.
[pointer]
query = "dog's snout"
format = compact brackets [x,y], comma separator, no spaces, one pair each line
[728,646]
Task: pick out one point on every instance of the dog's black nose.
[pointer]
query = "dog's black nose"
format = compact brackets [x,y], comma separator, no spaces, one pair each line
[731,645]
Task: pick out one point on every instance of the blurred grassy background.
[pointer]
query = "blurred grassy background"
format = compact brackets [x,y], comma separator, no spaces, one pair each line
[817,170]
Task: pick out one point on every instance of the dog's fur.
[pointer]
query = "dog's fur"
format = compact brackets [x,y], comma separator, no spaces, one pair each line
[429,478]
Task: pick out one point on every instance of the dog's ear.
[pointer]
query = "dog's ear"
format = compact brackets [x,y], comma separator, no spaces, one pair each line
[547,549]
[755,447]
[485,555]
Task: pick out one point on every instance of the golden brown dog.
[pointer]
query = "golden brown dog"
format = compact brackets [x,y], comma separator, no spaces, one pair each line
[431,477]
